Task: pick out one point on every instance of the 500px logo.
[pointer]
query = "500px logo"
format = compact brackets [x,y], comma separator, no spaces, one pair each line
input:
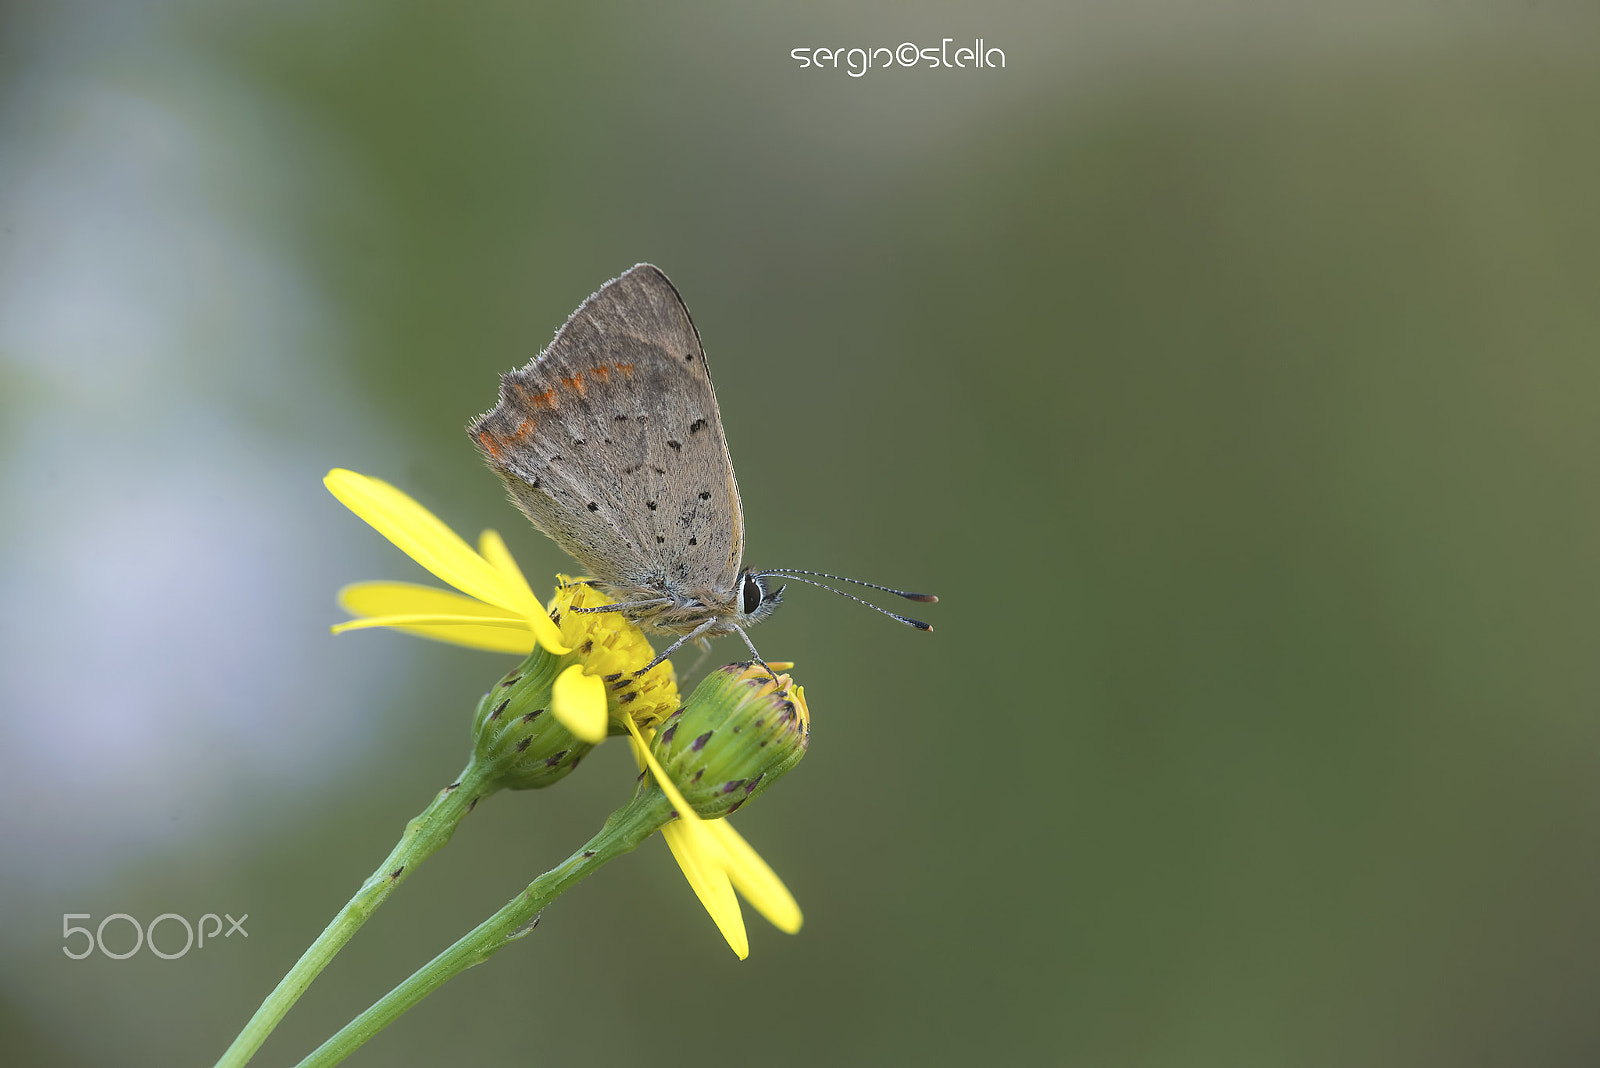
[143,936]
[857,61]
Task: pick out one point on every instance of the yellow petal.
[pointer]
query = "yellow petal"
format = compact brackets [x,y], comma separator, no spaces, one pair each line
[494,550]
[708,880]
[420,534]
[753,878]
[508,635]
[579,702]
[407,598]
[698,853]
[429,619]
[380,599]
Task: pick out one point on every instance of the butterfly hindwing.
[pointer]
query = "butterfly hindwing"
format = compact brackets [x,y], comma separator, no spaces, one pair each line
[611,442]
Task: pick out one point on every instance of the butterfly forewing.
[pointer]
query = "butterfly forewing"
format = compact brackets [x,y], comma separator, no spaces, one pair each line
[611,442]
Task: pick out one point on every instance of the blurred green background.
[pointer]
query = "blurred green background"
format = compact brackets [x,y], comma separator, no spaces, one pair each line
[1230,370]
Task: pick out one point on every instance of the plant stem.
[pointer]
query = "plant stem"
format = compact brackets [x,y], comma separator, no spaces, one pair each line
[627,827]
[423,836]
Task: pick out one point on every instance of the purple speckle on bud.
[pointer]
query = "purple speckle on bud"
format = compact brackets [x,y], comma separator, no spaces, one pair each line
[730,787]
[700,742]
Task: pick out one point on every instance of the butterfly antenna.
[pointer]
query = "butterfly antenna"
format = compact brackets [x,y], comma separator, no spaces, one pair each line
[907,620]
[785,572]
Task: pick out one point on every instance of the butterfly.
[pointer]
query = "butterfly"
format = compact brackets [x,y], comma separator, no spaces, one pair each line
[610,441]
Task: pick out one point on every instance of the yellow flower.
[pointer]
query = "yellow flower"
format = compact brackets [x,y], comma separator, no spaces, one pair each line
[595,692]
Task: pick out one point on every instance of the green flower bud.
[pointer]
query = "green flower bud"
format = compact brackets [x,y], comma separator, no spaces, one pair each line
[515,734]
[737,735]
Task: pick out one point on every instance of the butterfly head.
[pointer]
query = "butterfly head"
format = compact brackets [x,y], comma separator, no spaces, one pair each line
[757,600]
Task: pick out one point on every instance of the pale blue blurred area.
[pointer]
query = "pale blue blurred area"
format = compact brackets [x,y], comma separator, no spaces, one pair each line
[171,396]
[1228,368]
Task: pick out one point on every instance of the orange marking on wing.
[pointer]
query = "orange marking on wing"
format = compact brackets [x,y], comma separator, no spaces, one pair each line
[626,368]
[547,399]
[524,428]
[603,373]
[486,439]
[576,382]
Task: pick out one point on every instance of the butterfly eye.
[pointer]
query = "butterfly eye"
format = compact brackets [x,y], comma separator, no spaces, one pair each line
[752,594]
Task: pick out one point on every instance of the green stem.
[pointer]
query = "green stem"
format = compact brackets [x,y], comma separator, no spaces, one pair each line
[424,836]
[627,827]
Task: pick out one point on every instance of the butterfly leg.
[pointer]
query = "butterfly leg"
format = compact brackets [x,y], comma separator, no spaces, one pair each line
[625,606]
[751,646]
[693,634]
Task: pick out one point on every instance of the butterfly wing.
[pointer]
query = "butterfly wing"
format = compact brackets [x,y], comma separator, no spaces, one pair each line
[611,442]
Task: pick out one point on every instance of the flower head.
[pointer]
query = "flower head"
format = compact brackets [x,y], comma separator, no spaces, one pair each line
[598,687]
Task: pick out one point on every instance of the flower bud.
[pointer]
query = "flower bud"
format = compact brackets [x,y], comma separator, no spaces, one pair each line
[737,735]
[514,732]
